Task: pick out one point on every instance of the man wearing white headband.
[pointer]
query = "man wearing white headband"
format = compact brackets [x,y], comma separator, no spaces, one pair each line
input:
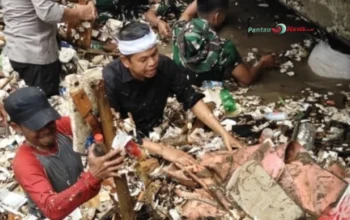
[141,80]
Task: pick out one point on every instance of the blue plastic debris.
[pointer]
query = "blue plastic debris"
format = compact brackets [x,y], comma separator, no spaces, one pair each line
[89,141]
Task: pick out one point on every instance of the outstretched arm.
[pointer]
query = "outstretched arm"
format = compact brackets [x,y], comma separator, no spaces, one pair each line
[190,12]
[162,26]
[192,100]
[246,75]
[169,153]
[206,116]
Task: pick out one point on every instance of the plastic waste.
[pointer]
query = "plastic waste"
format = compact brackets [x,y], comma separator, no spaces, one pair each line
[67,54]
[276,116]
[211,84]
[306,135]
[120,141]
[334,134]
[89,141]
[113,26]
[62,91]
[126,143]
[134,150]
[326,62]
[96,45]
[6,65]
[267,133]
[227,101]
[66,44]
[228,124]
[99,141]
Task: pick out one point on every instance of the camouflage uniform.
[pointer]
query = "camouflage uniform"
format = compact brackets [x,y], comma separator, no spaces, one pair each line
[199,49]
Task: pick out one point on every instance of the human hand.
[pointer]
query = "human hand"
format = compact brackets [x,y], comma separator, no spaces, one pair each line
[105,166]
[3,116]
[164,29]
[87,12]
[268,61]
[230,141]
[177,156]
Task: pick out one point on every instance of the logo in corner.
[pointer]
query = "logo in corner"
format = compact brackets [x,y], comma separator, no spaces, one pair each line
[279,29]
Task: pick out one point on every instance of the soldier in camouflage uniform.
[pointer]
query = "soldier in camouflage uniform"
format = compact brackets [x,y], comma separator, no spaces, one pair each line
[197,47]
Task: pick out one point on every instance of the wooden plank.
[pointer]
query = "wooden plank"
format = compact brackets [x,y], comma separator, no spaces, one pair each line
[84,107]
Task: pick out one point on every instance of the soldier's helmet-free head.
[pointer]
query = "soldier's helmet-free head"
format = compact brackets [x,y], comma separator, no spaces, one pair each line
[214,11]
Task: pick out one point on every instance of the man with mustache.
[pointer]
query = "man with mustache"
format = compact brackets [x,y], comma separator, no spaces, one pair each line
[45,165]
[141,80]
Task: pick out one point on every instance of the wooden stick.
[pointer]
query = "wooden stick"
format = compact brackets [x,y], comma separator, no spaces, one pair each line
[125,201]
[205,187]
[8,80]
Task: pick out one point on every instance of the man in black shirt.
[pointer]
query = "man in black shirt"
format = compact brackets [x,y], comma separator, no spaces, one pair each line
[141,80]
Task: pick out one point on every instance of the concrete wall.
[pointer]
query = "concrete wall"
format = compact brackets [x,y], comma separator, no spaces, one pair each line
[334,15]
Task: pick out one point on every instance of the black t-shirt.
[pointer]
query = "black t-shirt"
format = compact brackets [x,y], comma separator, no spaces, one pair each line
[146,100]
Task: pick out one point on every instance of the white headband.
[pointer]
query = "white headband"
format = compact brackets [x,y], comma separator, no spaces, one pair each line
[137,46]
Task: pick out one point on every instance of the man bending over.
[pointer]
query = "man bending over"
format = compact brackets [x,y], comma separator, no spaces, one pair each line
[197,46]
[140,81]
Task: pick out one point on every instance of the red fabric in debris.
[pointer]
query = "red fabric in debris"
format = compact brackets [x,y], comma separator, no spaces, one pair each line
[31,176]
[341,211]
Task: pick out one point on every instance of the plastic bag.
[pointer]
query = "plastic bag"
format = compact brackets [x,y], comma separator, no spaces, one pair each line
[329,63]
[5,65]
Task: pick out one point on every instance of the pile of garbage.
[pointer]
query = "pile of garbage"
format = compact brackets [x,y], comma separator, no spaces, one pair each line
[323,129]
[286,59]
[317,120]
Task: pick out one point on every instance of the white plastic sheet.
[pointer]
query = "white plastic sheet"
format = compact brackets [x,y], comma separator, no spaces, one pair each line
[329,63]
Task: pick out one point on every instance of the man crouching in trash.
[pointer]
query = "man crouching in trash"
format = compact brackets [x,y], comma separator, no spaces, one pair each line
[45,165]
[142,79]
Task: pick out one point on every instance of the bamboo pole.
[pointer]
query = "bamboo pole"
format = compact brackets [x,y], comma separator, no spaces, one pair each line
[125,201]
